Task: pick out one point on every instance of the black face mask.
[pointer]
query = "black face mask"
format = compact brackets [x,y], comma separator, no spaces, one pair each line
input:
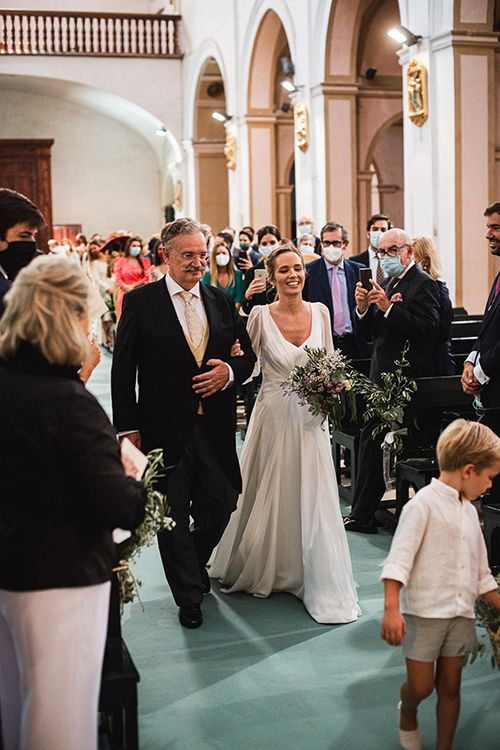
[16,256]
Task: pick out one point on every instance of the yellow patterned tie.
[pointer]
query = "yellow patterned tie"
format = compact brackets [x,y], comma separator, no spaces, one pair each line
[380,273]
[194,324]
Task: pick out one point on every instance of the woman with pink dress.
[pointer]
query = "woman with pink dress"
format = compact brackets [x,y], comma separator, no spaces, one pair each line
[131,271]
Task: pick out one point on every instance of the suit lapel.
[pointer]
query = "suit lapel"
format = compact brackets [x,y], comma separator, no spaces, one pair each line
[162,305]
[324,285]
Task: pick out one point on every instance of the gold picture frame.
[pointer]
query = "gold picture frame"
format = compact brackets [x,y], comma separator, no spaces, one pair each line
[230,150]
[301,126]
[416,88]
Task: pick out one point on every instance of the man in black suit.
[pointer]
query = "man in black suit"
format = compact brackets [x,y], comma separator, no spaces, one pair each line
[332,280]
[405,308]
[176,336]
[375,228]
[20,221]
[481,373]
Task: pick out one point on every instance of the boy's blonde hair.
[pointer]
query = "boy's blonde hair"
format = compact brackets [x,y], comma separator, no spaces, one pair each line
[464,442]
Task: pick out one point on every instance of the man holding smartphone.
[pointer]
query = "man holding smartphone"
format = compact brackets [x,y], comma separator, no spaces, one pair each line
[404,308]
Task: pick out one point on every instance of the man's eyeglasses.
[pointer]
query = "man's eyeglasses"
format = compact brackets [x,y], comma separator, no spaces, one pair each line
[189,255]
[336,244]
[390,251]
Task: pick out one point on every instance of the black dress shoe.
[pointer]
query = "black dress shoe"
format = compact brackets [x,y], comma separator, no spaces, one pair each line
[190,616]
[350,524]
[205,581]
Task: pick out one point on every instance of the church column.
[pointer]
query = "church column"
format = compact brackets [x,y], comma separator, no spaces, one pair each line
[262,169]
[341,156]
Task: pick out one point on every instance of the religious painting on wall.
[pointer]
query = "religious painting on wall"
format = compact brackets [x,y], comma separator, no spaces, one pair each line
[416,86]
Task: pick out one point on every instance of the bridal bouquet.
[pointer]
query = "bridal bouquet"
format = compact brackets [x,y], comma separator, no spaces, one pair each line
[324,384]
[155,520]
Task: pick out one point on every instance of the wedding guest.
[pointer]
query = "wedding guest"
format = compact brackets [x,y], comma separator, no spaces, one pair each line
[20,221]
[245,255]
[131,271]
[306,244]
[438,561]
[256,291]
[305,225]
[101,276]
[332,280]
[287,533]
[223,274]
[405,308]
[427,257]
[62,492]
[376,226]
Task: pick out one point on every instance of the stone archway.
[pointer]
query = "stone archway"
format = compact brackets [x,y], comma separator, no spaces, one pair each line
[208,145]
[362,93]
[270,128]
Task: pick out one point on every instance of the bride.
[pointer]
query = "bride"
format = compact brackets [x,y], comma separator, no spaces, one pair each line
[287,533]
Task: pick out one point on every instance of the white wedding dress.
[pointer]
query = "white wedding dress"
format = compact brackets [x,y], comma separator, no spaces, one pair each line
[287,533]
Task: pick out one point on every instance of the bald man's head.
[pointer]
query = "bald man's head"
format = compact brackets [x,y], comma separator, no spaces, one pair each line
[394,237]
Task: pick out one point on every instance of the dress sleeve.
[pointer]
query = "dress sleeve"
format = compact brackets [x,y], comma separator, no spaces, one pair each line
[326,326]
[254,328]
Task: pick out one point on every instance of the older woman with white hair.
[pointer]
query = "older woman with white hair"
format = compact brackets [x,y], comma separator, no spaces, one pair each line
[62,491]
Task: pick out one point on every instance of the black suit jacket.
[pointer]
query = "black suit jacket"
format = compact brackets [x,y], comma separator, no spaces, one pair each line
[416,318]
[62,485]
[362,258]
[150,343]
[317,289]
[488,346]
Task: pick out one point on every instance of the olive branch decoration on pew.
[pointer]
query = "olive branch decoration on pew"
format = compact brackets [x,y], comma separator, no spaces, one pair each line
[386,402]
[155,519]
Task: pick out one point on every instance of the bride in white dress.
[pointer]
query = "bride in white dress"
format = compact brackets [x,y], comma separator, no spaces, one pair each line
[287,533]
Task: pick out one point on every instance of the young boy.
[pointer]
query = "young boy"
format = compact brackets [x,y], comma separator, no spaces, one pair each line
[438,557]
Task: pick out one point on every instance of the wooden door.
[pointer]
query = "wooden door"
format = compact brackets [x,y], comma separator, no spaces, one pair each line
[25,167]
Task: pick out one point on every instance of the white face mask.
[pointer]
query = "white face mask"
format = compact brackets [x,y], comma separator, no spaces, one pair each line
[332,254]
[306,248]
[222,259]
[305,228]
[266,250]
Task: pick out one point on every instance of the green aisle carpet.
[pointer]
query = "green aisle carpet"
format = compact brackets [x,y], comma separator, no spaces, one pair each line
[262,674]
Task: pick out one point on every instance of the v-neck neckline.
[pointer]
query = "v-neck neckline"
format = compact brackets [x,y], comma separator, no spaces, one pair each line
[296,346]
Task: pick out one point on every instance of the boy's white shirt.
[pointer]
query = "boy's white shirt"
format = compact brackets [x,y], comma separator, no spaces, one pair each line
[439,555]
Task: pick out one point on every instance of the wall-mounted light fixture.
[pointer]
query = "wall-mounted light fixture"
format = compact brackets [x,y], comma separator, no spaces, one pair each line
[162,131]
[402,35]
[221,116]
[292,88]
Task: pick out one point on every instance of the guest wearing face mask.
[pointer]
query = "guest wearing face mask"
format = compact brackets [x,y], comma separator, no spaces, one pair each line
[332,280]
[223,274]
[245,256]
[305,225]
[256,289]
[131,271]
[375,228]
[405,308]
[306,244]
[20,221]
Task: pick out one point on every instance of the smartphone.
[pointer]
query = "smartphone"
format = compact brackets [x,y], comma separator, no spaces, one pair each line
[365,274]
[242,255]
[261,273]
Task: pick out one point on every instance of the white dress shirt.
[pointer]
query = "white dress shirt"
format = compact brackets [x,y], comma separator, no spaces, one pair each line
[174,290]
[439,555]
